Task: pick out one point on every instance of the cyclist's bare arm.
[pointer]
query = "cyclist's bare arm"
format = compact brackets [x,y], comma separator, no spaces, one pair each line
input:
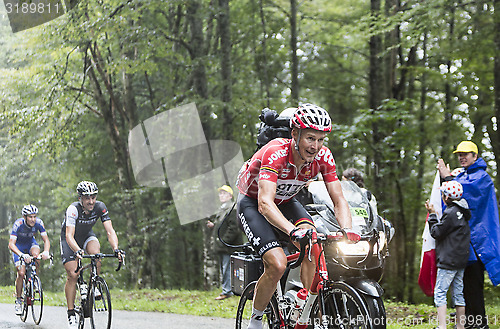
[46,244]
[13,247]
[342,211]
[70,238]
[110,231]
[267,207]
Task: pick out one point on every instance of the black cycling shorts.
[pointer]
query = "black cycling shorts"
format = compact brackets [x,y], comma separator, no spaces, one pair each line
[67,254]
[259,231]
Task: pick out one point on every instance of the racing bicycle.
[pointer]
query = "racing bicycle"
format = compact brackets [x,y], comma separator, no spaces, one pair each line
[329,303]
[94,299]
[32,291]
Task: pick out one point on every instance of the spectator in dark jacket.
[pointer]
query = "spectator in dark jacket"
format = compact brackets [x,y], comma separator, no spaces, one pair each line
[229,233]
[452,234]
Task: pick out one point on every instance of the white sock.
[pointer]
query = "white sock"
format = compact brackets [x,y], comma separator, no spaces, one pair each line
[256,320]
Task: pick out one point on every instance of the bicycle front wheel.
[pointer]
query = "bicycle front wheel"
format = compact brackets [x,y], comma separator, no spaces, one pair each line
[270,318]
[100,305]
[36,299]
[25,295]
[344,308]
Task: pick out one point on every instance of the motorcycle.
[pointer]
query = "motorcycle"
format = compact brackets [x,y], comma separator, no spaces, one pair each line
[359,264]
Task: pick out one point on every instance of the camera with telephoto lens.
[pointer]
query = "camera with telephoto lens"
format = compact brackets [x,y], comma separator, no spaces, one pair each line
[273,126]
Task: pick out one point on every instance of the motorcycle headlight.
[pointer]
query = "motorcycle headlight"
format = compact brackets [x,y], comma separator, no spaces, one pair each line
[362,247]
[353,249]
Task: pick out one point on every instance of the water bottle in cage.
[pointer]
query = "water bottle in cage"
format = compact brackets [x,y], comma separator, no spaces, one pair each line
[83,290]
[300,300]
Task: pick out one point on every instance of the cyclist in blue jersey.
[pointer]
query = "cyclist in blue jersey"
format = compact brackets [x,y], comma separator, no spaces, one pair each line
[77,238]
[23,245]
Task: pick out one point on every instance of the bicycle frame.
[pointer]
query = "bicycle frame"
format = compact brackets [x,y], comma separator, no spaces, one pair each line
[330,303]
[93,266]
[30,281]
[320,279]
[29,276]
[320,275]
[87,301]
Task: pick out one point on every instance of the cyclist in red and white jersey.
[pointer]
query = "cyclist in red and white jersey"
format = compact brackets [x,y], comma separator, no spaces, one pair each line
[267,208]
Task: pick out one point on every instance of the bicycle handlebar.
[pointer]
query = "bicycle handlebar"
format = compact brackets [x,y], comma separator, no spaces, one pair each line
[340,235]
[307,240]
[39,257]
[99,256]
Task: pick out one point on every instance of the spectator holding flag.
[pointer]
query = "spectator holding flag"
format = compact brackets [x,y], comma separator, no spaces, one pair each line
[479,192]
[452,234]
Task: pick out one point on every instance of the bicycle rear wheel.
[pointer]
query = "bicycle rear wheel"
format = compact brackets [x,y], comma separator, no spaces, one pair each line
[36,299]
[25,296]
[344,308]
[270,318]
[100,305]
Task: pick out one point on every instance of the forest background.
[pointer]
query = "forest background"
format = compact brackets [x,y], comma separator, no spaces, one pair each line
[404,81]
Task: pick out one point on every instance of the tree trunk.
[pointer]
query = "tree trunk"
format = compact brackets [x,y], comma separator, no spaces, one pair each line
[293,47]
[422,146]
[375,90]
[119,145]
[264,62]
[198,51]
[198,47]
[226,67]
[448,108]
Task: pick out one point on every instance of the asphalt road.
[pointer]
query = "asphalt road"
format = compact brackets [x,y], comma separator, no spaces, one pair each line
[55,318]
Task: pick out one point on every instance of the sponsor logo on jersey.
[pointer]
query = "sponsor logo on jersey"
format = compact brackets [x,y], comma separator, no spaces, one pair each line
[285,173]
[276,155]
[327,156]
[286,189]
[264,176]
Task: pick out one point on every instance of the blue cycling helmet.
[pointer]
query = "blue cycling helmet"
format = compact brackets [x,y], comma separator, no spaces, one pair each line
[29,209]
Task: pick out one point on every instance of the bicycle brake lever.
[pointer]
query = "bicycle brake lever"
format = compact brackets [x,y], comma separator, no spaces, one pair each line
[310,251]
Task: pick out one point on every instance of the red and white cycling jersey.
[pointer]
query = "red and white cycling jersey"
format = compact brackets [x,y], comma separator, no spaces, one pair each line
[274,162]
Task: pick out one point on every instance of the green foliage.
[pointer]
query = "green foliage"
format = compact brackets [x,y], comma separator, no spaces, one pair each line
[72,89]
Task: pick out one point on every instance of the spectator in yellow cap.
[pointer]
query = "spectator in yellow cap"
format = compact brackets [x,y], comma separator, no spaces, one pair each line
[479,192]
[230,233]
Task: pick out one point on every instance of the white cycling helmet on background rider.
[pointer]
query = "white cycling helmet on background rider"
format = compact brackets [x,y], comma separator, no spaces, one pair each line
[29,209]
[311,116]
[86,188]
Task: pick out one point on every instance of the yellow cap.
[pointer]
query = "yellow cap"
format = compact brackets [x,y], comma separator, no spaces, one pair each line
[226,188]
[466,147]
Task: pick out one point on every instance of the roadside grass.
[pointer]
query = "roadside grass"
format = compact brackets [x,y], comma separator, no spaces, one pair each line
[203,303]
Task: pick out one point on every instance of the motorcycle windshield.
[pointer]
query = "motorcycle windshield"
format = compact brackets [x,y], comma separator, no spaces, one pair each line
[361,213]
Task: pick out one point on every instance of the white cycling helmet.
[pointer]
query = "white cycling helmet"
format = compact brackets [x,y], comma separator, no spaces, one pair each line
[452,189]
[311,116]
[29,209]
[86,188]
